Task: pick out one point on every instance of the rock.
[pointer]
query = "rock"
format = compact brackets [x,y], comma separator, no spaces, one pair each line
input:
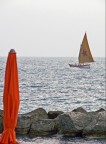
[54,114]
[100,110]
[37,114]
[72,124]
[25,120]
[97,127]
[1,121]
[1,124]
[76,123]
[1,112]
[23,124]
[43,127]
[80,109]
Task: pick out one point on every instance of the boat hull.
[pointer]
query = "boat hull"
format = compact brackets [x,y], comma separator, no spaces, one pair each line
[80,65]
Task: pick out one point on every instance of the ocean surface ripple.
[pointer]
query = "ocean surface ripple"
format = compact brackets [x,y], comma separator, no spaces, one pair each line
[51,84]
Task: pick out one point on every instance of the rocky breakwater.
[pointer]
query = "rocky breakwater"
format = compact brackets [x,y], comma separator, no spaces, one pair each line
[75,123]
[82,123]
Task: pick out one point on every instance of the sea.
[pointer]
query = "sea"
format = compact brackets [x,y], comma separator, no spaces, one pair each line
[49,83]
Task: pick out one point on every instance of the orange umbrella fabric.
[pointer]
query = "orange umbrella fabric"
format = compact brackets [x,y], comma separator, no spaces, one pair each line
[11,100]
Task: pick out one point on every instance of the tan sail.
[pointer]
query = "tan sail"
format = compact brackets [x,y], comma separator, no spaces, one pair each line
[85,53]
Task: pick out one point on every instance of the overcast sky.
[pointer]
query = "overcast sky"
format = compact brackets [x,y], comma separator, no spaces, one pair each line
[51,27]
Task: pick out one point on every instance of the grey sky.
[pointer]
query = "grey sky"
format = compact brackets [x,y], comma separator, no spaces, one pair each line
[51,27]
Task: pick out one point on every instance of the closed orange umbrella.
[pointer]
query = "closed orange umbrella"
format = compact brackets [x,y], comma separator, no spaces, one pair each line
[11,100]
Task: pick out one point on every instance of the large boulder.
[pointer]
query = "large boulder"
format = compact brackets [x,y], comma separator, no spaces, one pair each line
[54,114]
[37,114]
[101,110]
[25,120]
[79,109]
[23,124]
[97,127]
[43,127]
[73,123]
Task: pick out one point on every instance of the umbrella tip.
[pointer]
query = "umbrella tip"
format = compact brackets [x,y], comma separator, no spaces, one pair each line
[12,51]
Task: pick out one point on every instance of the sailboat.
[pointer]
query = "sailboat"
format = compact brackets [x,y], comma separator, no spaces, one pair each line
[85,56]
